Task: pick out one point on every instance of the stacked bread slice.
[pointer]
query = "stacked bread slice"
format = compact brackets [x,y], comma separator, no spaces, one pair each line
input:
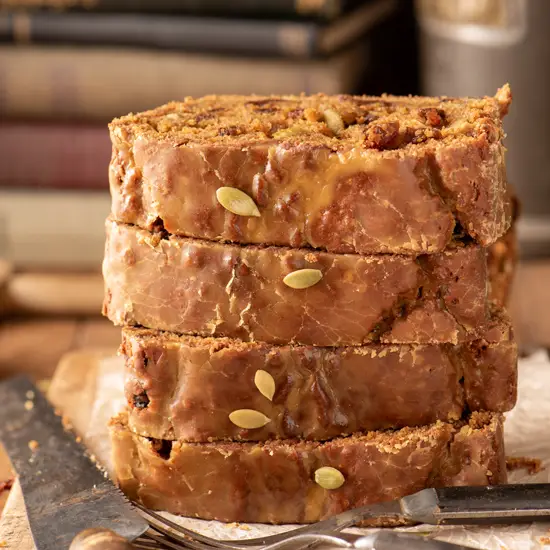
[310,321]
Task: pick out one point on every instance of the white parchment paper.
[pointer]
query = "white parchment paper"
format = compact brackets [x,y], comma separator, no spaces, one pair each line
[527,434]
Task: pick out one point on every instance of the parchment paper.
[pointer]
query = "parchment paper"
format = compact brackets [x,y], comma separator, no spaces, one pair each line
[88,388]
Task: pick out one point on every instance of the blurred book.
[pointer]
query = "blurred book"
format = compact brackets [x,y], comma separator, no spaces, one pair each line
[85,83]
[53,229]
[258,37]
[318,9]
[54,155]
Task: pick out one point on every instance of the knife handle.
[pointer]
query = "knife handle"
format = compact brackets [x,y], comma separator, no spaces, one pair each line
[479,505]
[99,539]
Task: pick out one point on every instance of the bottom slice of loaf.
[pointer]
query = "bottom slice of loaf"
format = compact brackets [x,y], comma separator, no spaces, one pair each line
[274,482]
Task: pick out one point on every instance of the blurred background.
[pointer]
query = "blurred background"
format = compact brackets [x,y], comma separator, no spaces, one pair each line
[67,67]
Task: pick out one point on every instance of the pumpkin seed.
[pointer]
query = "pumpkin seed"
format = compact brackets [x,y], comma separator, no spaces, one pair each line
[265,383]
[248,419]
[303,278]
[329,478]
[334,121]
[237,202]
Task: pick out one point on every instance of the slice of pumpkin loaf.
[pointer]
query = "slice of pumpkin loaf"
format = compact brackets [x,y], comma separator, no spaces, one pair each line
[343,173]
[205,389]
[291,481]
[285,296]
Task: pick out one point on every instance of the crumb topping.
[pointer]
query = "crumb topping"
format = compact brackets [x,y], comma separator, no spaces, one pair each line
[338,122]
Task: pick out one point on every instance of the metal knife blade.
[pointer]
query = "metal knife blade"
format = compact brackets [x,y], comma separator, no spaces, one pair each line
[63,489]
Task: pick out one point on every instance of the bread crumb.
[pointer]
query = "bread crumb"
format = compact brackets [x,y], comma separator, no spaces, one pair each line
[29,405]
[66,422]
[6,485]
[44,385]
[532,465]
[29,394]
[33,445]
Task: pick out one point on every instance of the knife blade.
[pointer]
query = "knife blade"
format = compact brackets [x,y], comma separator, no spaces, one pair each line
[64,491]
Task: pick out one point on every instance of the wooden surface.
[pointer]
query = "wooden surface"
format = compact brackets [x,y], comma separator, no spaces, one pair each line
[45,315]
[6,477]
[14,526]
[35,346]
[50,294]
[5,273]
[530,304]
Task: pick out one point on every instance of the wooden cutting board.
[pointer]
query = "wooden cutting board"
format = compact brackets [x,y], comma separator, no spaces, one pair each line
[50,293]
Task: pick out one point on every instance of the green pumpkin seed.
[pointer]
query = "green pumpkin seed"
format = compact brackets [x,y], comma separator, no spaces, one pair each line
[237,202]
[265,383]
[334,121]
[248,419]
[303,278]
[329,478]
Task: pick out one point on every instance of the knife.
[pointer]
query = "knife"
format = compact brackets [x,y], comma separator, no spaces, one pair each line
[64,490]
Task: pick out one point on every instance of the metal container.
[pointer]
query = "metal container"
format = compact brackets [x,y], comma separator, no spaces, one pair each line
[472,47]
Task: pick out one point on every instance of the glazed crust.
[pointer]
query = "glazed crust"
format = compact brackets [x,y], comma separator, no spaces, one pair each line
[403,176]
[213,289]
[184,387]
[273,482]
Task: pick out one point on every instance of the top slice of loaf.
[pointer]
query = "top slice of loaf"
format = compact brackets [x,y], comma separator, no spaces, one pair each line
[377,123]
[344,173]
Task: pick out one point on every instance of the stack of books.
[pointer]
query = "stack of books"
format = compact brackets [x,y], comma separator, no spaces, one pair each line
[67,67]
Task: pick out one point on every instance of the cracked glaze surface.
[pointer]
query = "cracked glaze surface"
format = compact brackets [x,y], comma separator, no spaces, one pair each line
[404,194]
[273,482]
[181,387]
[213,289]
